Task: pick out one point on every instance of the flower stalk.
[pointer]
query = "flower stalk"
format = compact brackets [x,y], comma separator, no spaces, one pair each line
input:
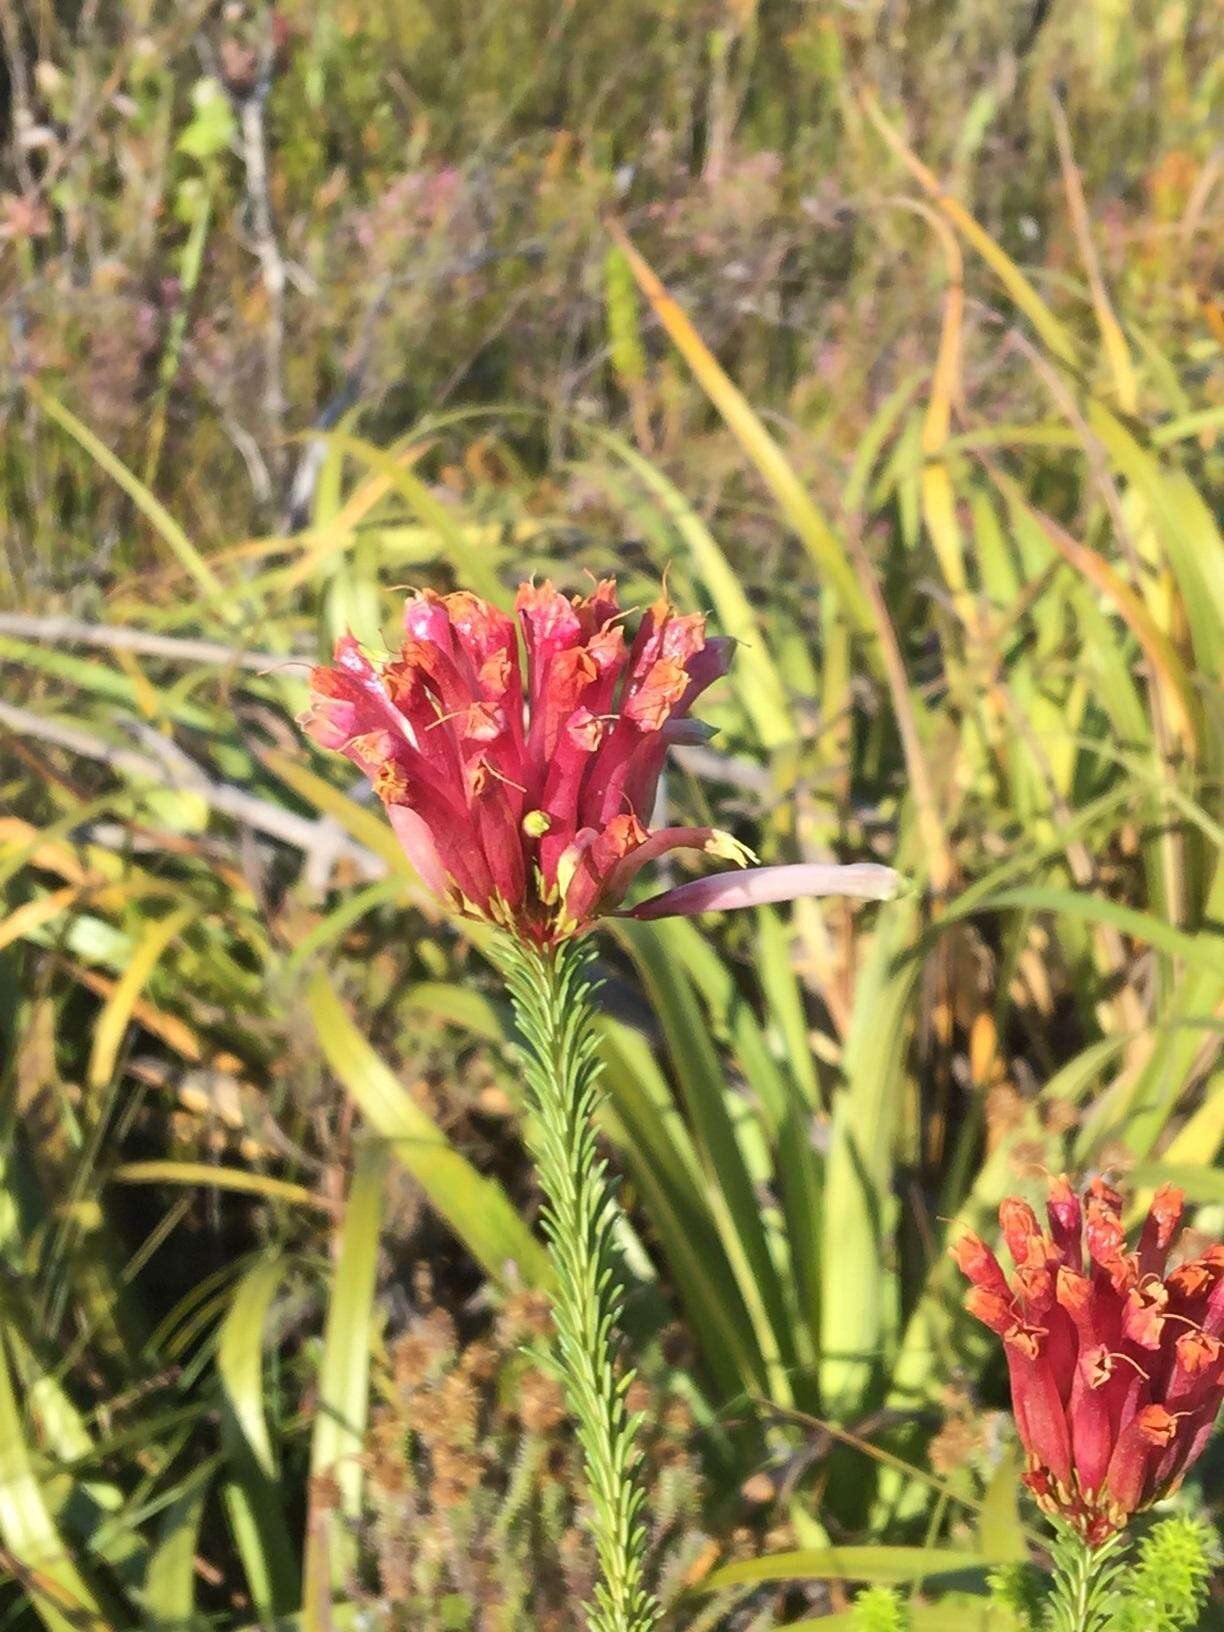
[518,760]
[1085,1578]
[551,991]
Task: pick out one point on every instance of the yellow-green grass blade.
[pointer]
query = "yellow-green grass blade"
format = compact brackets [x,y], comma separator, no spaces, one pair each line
[150,507]
[962,1616]
[116,1013]
[240,1347]
[336,522]
[1000,1530]
[169,1584]
[473,569]
[776,471]
[787,1134]
[754,674]
[1052,331]
[55,1587]
[449,1003]
[1188,533]
[99,680]
[368,827]
[62,1434]
[871,443]
[334,925]
[338,1439]
[475,1207]
[784,997]
[857,1291]
[646,1108]
[221,1178]
[251,1491]
[887,1565]
[1200,1138]
[729,1191]
[1182,1045]
[1202,1185]
[688,1235]
[1165,662]
[1204,950]
[1113,341]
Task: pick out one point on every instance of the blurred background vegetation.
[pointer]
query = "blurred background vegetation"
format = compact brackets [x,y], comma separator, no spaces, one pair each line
[301,306]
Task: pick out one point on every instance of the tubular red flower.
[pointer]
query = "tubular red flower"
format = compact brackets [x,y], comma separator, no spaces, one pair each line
[1117,1373]
[521,785]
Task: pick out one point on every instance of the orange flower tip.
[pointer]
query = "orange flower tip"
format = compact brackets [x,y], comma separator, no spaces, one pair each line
[1164,1216]
[1188,1280]
[1146,1328]
[1197,1352]
[1104,1194]
[1168,1200]
[1027,1340]
[968,1252]
[1036,1284]
[1096,1366]
[1063,1208]
[1016,1215]
[990,1308]
[1073,1290]
[1158,1426]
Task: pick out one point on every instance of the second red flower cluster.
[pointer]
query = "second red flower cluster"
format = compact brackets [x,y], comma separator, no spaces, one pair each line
[1116,1362]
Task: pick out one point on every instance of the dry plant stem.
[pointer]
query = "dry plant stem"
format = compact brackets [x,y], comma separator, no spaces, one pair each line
[255,157]
[552,999]
[321,839]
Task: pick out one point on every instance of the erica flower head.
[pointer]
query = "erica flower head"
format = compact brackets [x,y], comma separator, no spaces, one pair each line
[1116,1362]
[518,759]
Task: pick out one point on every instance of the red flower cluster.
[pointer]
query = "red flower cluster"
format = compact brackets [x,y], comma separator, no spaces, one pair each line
[1117,1366]
[528,806]
[531,818]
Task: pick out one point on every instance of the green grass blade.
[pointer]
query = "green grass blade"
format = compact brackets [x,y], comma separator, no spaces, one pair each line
[54,1585]
[884,1564]
[474,1206]
[343,1391]
[776,471]
[169,1584]
[150,507]
[754,674]
[856,1289]
[729,1191]
[251,1490]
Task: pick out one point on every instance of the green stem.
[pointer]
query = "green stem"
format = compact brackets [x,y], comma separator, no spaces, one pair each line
[552,999]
